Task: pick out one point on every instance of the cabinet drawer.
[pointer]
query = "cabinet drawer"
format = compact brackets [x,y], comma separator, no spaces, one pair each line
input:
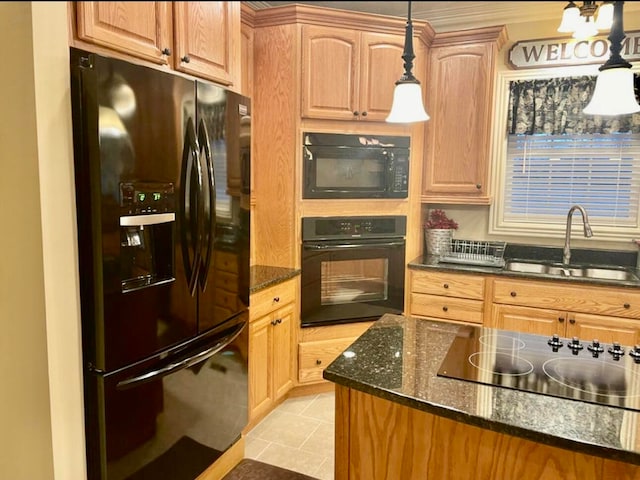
[617,302]
[226,261]
[447,308]
[314,357]
[448,284]
[269,299]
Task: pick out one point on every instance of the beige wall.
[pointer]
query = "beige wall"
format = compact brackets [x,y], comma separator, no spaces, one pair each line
[41,401]
[474,220]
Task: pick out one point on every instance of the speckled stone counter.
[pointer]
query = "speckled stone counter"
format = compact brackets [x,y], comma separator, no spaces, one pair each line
[264,276]
[432,263]
[397,359]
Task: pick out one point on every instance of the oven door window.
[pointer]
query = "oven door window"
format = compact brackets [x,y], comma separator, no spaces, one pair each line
[353,281]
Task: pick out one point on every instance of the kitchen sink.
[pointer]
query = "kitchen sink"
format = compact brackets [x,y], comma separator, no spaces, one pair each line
[601,272]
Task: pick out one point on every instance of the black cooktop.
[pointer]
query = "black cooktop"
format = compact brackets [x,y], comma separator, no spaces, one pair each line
[588,371]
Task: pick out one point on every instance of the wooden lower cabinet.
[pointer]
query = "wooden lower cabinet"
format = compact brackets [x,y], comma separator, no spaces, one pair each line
[453,297]
[420,445]
[608,315]
[271,349]
[319,346]
[566,324]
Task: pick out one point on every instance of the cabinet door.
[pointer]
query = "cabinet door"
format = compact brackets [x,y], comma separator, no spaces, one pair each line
[539,321]
[381,66]
[282,353]
[142,29]
[459,103]
[260,397]
[330,72]
[603,328]
[246,43]
[207,38]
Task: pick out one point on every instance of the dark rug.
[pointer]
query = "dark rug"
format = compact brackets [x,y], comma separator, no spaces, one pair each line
[185,460]
[249,469]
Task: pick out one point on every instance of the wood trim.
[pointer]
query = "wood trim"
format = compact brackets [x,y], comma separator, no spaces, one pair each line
[496,34]
[450,199]
[225,463]
[247,15]
[314,15]
[342,433]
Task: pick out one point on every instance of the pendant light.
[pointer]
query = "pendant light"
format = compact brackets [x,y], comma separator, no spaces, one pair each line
[407,97]
[614,92]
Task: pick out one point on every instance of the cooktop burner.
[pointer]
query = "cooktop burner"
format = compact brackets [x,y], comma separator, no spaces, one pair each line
[607,374]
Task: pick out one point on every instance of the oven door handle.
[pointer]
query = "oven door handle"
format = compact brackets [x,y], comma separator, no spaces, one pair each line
[333,246]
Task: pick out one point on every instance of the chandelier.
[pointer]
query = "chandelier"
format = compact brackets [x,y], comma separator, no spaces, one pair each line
[585,21]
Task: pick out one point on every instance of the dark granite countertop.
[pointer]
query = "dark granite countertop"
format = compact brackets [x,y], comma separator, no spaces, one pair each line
[398,358]
[536,253]
[264,276]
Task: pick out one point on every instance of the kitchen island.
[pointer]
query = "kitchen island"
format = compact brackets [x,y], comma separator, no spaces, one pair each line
[396,418]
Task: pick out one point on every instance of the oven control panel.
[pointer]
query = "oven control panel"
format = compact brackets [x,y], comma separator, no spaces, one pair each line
[329,228]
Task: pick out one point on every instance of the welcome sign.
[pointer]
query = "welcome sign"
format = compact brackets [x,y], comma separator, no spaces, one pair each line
[562,52]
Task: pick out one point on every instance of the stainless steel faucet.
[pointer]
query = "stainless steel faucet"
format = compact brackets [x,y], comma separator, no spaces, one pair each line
[566,252]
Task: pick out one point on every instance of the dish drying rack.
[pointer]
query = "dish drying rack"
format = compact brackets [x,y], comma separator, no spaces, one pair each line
[475,252]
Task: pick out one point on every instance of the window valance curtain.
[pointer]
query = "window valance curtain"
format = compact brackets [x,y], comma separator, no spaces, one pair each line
[554,106]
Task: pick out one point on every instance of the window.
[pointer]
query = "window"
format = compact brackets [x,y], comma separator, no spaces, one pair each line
[548,156]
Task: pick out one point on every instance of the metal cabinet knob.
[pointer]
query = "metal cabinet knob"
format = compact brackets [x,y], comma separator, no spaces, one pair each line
[186,59]
[364,114]
[318,362]
[446,285]
[513,294]
[479,186]
[356,113]
[626,305]
[445,309]
[561,319]
[276,299]
[572,321]
[166,51]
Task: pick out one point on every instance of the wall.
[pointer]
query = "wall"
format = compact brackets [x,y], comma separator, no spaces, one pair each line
[474,220]
[41,400]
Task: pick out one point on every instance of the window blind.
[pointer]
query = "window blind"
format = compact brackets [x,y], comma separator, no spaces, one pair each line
[547,174]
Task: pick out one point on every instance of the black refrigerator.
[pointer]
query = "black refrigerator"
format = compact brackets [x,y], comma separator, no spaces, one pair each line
[162,168]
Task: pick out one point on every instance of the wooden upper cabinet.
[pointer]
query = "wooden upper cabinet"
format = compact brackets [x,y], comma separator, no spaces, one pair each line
[459,101]
[347,74]
[207,40]
[142,29]
[199,38]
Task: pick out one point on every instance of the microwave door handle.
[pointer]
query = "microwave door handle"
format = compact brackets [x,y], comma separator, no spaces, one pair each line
[181,364]
[209,218]
[308,166]
[324,246]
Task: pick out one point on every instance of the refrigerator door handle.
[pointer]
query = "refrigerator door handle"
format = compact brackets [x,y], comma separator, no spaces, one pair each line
[189,213]
[176,366]
[209,220]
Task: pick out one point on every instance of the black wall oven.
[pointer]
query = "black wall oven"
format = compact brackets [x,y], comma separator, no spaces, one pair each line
[352,268]
[355,166]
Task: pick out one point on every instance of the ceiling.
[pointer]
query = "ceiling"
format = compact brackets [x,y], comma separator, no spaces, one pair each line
[446,16]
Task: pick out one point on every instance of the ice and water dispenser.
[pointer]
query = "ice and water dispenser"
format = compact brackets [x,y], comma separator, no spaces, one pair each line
[147,230]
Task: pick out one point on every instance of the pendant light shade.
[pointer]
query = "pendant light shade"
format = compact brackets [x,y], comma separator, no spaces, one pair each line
[570,18]
[614,91]
[407,104]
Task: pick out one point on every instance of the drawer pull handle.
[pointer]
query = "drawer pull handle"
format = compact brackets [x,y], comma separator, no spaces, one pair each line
[445,309]
[513,294]
[561,319]
[276,299]
[274,322]
[318,362]
[446,285]
[572,321]
[626,305]
[279,320]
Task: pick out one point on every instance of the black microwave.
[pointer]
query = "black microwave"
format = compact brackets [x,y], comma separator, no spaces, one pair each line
[355,166]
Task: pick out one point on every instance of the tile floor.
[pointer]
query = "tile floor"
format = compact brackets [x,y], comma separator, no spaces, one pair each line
[297,435]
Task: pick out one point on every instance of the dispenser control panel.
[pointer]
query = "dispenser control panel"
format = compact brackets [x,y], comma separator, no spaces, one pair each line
[146,198]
